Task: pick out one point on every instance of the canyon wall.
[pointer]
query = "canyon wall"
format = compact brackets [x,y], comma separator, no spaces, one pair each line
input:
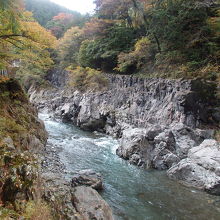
[158,122]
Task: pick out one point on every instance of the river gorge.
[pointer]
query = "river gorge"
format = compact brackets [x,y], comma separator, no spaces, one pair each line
[152,140]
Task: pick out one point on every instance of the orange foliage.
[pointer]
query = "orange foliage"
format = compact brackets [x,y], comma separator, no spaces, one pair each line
[3,79]
[63,16]
[97,27]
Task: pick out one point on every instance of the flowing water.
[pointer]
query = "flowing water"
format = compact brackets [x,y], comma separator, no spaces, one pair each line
[132,192]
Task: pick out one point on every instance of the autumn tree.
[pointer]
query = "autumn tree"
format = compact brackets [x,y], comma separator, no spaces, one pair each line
[150,35]
[63,21]
[68,46]
[23,39]
[183,31]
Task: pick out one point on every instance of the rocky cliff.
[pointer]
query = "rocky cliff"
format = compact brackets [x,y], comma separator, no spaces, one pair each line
[158,121]
[22,139]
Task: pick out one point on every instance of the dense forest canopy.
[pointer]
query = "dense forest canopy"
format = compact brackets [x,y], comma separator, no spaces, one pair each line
[154,38]
[169,38]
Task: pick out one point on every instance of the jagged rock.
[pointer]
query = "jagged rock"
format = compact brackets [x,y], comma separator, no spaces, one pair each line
[131,100]
[9,143]
[131,142]
[159,147]
[88,178]
[57,191]
[90,204]
[201,169]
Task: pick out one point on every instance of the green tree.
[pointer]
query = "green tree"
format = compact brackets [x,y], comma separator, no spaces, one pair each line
[102,52]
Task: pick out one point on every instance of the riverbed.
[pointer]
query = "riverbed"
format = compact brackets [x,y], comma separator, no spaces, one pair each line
[132,192]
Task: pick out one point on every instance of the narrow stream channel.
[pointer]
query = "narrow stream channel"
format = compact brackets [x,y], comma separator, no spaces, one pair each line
[133,193]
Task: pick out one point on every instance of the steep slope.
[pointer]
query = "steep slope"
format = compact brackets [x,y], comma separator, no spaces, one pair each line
[22,138]
[28,188]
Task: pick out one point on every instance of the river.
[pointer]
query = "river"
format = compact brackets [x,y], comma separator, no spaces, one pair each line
[132,192]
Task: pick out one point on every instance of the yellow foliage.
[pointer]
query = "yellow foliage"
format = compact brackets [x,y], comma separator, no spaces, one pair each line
[142,43]
[214,22]
[37,34]
[135,59]
[37,210]
[68,46]
[22,38]
[87,79]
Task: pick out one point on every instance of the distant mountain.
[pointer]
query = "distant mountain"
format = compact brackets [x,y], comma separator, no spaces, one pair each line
[45,10]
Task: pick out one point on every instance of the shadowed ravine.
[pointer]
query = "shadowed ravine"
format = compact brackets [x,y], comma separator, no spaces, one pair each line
[133,193]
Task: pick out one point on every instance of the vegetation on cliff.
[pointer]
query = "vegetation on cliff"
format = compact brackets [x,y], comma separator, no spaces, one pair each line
[169,38]
[87,79]
[22,136]
[151,38]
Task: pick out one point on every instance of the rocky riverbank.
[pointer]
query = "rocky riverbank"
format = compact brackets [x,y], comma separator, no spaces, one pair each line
[71,201]
[32,183]
[159,122]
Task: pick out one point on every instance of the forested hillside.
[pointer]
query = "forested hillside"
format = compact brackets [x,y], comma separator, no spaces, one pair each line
[168,39]
[45,10]
[54,17]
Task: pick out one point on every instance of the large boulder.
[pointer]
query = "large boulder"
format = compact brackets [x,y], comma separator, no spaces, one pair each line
[90,204]
[88,178]
[201,169]
[57,192]
[8,143]
[158,147]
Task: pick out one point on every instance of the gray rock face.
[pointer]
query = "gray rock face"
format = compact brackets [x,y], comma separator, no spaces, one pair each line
[88,178]
[90,204]
[130,100]
[58,77]
[201,169]
[159,147]
[9,143]
[57,191]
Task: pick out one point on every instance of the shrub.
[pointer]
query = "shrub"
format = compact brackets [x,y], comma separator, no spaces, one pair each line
[37,210]
[87,79]
[135,60]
